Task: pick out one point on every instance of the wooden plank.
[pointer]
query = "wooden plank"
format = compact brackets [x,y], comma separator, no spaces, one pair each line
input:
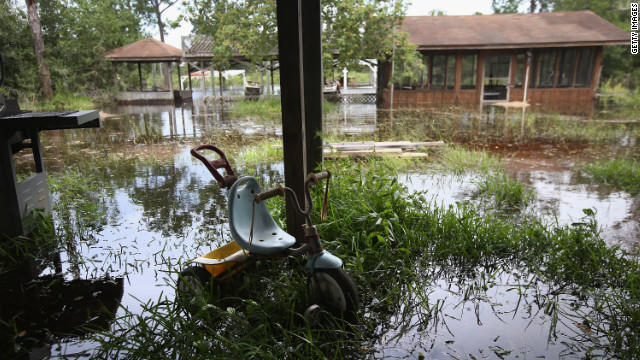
[370,145]
[346,154]
[428,144]
[363,152]
[415,155]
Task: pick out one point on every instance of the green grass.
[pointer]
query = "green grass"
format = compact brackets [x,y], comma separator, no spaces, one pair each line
[60,101]
[621,173]
[264,107]
[391,244]
[465,126]
[504,191]
[267,107]
[617,101]
[264,151]
[459,160]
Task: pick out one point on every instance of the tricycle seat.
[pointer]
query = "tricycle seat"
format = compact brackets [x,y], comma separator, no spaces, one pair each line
[268,237]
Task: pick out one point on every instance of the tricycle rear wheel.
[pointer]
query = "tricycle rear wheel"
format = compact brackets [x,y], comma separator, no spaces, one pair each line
[193,281]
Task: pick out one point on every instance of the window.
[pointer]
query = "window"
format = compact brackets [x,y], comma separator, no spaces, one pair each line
[424,74]
[521,60]
[438,72]
[546,69]
[574,68]
[585,67]
[451,72]
[469,72]
[567,68]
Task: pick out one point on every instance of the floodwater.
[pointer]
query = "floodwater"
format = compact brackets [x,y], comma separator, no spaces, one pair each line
[159,215]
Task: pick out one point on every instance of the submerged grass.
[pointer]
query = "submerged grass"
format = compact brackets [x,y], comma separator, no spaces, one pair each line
[387,240]
[499,126]
[622,173]
[459,160]
[268,107]
[264,151]
[506,192]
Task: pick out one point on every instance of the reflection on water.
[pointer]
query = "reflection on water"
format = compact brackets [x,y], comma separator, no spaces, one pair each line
[488,313]
[199,119]
[160,215]
[561,197]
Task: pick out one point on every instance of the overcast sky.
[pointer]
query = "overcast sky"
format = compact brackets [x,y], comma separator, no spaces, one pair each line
[417,7]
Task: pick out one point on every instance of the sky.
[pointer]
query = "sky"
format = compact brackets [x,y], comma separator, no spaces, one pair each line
[417,7]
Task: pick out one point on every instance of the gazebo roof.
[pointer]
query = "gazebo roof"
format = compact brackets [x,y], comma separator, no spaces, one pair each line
[503,31]
[145,50]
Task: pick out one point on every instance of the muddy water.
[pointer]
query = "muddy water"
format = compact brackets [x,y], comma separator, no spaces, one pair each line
[160,215]
[494,314]
[561,197]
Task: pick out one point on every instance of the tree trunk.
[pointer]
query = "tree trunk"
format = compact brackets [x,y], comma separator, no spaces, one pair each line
[38,48]
[165,66]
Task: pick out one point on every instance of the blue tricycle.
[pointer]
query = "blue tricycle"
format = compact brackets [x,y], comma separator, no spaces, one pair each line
[256,236]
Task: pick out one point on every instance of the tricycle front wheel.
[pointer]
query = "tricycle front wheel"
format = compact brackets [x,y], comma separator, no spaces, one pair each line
[334,290]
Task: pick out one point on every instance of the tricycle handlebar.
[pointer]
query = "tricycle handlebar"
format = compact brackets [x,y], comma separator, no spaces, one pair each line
[278,191]
[313,179]
[214,165]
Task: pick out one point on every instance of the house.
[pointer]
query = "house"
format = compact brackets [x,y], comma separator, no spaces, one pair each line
[554,59]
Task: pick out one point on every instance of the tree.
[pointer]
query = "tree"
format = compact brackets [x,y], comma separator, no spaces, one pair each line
[152,11]
[512,6]
[17,51]
[248,28]
[619,65]
[436,12]
[353,29]
[38,48]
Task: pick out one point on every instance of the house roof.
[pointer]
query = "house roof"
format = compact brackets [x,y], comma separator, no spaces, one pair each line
[505,31]
[145,50]
[198,46]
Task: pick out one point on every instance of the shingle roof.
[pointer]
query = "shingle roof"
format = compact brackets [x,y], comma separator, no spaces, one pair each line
[146,50]
[500,31]
[198,46]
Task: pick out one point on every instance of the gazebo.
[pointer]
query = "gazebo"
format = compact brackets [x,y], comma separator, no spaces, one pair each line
[149,50]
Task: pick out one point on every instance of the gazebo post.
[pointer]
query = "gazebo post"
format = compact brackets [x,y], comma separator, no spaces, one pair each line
[179,77]
[204,81]
[170,74]
[115,74]
[140,74]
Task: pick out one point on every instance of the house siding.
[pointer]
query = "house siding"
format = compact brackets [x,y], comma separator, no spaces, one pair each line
[567,100]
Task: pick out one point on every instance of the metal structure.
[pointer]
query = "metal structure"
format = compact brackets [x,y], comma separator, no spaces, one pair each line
[20,130]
